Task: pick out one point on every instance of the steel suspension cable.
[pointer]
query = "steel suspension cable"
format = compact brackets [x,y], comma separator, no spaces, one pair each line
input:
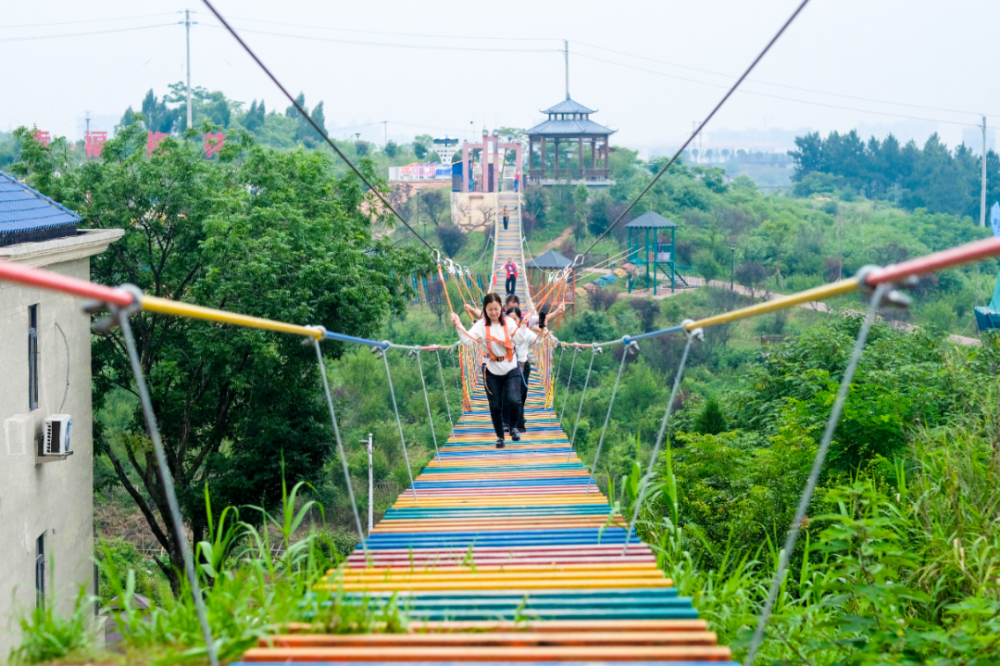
[562,348]
[576,352]
[340,446]
[444,390]
[691,138]
[309,119]
[395,408]
[122,315]
[831,425]
[579,410]
[611,404]
[430,417]
[691,335]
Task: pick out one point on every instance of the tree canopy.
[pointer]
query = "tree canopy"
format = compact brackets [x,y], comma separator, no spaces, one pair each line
[262,233]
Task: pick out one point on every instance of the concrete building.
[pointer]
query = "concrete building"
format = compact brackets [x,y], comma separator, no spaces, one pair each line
[46,500]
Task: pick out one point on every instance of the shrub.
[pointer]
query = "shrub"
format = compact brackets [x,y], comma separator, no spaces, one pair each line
[452,239]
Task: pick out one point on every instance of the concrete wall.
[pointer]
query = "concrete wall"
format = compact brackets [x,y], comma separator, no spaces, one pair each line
[51,498]
[466,210]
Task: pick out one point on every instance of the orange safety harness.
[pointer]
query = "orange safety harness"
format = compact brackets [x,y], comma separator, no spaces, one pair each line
[507,344]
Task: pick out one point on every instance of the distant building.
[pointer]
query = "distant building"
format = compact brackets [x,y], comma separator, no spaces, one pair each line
[418,171]
[46,497]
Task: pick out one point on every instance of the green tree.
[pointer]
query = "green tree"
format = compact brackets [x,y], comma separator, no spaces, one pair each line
[267,234]
[434,203]
[710,420]
[452,239]
[706,265]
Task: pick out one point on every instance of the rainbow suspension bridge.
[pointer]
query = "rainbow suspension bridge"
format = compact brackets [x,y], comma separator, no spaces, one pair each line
[503,555]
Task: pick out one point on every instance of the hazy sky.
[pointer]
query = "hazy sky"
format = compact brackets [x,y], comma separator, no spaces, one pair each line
[908,52]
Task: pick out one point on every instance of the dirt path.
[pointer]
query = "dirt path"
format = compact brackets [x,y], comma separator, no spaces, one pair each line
[553,244]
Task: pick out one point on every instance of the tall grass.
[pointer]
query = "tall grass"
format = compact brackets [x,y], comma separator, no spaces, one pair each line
[257,577]
[897,570]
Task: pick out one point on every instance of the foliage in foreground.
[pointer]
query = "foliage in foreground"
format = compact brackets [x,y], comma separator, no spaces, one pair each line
[261,233]
[899,558]
[253,583]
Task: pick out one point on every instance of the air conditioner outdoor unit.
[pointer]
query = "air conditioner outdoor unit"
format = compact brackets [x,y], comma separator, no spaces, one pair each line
[58,430]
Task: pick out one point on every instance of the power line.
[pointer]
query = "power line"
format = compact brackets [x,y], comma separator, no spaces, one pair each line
[398,34]
[101,20]
[773,96]
[718,106]
[83,34]
[385,202]
[770,83]
[422,47]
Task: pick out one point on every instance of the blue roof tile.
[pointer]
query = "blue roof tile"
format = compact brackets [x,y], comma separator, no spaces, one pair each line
[26,214]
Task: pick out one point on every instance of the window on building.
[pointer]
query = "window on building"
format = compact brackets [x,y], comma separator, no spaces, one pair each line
[40,571]
[33,357]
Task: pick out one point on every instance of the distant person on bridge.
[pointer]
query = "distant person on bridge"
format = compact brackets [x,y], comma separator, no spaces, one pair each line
[511,269]
[506,218]
[498,333]
[517,181]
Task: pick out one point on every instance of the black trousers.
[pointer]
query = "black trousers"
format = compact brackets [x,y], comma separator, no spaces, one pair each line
[526,373]
[504,394]
[505,221]
[511,284]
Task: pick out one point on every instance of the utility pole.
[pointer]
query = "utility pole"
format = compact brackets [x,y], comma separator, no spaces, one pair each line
[187,28]
[566,55]
[371,485]
[982,194]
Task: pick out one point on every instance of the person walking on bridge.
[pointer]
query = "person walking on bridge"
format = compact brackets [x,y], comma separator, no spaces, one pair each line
[499,334]
[506,218]
[511,268]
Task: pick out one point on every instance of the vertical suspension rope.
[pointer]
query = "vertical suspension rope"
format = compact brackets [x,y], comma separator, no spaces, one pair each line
[691,335]
[611,403]
[430,417]
[444,390]
[395,407]
[166,479]
[831,425]
[340,447]
[579,410]
[562,412]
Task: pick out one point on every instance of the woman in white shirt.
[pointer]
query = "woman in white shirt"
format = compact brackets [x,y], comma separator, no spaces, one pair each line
[499,334]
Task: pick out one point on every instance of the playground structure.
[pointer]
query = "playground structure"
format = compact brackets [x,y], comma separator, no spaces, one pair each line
[483,536]
[645,249]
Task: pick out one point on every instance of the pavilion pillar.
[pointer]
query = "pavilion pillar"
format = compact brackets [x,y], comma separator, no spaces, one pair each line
[497,177]
[593,153]
[579,156]
[542,164]
[557,159]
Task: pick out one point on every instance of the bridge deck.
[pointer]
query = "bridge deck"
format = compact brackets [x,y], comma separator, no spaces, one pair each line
[508,555]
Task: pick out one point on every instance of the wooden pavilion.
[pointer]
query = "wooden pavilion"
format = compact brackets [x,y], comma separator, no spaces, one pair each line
[555,160]
[538,270]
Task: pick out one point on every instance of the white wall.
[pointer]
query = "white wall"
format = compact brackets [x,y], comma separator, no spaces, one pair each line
[54,498]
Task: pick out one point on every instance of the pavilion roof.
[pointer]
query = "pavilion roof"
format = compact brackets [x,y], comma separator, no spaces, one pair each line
[650,220]
[569,106]
[571,128]
[550,259]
